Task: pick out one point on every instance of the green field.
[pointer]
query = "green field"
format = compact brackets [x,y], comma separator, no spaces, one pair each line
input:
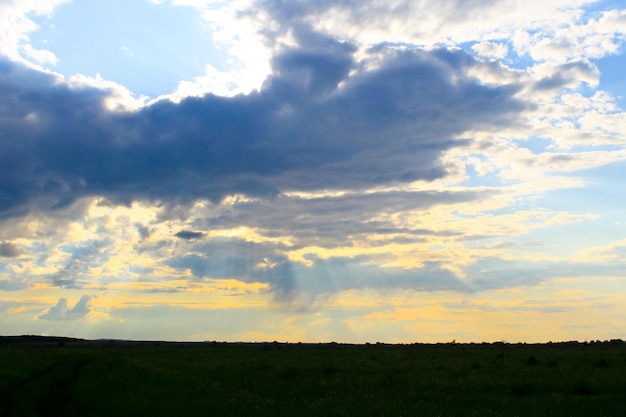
[58,377]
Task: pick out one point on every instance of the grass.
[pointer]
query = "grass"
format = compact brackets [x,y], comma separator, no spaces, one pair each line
[217,379]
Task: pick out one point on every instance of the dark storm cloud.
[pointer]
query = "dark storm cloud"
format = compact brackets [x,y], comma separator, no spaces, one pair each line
[189,235]
[226,257]
[337,221]
[246,261]
[293,283]
[9,250]
[298,285]
[301,131]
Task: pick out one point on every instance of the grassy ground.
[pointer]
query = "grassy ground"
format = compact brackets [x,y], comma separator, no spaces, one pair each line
[122,379]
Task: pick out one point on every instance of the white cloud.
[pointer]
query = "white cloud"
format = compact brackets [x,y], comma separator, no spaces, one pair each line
[15,25]
[579,40]
[491,49]
[239,33]
[62,311]
[40,56]
[119,98]
[221,83]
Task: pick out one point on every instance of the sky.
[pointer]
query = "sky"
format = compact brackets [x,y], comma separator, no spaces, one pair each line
[338,170]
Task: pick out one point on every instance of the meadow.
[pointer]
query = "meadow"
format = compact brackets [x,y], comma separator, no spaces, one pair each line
[70,377]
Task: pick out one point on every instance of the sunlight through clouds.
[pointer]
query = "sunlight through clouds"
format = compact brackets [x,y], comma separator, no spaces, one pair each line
[352,171]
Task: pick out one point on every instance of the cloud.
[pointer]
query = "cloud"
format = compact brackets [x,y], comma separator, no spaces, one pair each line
[61,311]
[569,75]
[298,285]
[497,273]
[74,271]
[322,121]
[13,284]
[342,274]
[15,24]
[226,258]
[409,155]
[423,22]
[40,56]
[189,235]
[491,49]
[9,250]
[334,221]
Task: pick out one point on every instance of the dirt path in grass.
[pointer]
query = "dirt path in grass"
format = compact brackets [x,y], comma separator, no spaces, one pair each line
[46,393]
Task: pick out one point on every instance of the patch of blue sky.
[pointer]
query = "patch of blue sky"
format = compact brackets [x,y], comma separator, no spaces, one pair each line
[584,89]
[68,248]
[603,194]
[612,77]
[511,60]
[611,66]
[467,47]
[536,144]
[597,8]
[475,179]
[569,238]
[607,182]
[41,258]
[144,46]
[593,147]
[605,225]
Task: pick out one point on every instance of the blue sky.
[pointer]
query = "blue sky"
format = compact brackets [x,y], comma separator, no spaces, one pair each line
[255,170]
[611,77]
[148,48]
